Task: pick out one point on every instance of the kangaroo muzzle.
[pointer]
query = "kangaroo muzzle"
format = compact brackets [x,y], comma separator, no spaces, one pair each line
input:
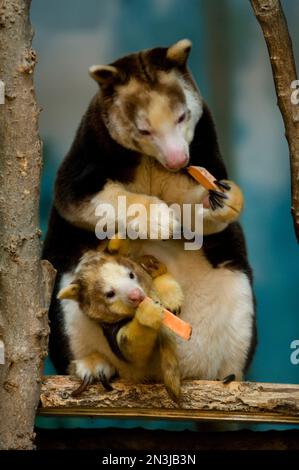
[135,296]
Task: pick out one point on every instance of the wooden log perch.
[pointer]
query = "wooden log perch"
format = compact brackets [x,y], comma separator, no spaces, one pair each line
[271,18]
[201,400]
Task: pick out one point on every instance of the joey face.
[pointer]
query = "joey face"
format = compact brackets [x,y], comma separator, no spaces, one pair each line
[120,285]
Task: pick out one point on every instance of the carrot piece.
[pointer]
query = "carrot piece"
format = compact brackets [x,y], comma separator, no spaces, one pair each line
[203,176]
[178,326]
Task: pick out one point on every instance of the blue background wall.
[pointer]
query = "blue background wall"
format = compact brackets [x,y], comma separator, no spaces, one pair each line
[230,63]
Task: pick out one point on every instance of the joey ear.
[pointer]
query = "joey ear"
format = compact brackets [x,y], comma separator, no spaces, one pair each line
[69,292]
[104,73]
[179,51]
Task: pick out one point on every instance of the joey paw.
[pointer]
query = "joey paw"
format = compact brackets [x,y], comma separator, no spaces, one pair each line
[169,292]
[150,313]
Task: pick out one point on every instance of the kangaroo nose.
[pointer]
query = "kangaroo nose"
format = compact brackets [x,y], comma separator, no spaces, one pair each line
[136,296]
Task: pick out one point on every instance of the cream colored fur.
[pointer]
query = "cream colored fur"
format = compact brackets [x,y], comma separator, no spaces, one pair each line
[218,304]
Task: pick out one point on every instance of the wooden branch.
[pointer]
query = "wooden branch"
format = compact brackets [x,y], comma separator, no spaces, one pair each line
[201,400]
[271,18]
[25,281]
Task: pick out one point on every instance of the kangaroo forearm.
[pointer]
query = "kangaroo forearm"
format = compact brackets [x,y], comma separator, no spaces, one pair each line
[86,213]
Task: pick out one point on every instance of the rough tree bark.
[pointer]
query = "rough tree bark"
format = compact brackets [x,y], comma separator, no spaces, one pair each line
[25,281]
[270,15]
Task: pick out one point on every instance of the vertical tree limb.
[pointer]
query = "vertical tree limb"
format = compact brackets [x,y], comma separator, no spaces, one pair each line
[270,15]
[25,281]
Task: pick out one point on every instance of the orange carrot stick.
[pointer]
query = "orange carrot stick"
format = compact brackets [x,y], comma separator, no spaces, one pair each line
[178,326]
[208,181]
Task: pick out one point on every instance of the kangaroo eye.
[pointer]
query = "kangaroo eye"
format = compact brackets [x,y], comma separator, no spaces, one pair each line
[144,132]
[110,294]
[132,275]
[182,118]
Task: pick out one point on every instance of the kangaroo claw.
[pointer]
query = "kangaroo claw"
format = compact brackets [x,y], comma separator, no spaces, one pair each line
[229,378]
[223,185]
[82,387]
[104,381]
[216,199]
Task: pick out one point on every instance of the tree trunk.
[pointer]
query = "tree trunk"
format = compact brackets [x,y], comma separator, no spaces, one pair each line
[270,15]
[200,400]
[25,281]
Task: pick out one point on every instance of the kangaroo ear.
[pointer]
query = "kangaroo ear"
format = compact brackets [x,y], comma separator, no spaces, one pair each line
[179,52]
[69,292]
[104,74]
